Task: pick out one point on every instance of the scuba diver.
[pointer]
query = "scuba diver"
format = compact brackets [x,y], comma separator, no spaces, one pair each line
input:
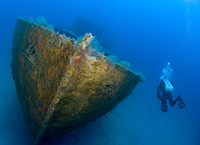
[165,88]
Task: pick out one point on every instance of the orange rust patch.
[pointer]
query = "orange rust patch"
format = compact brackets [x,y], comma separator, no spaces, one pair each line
[61,64]
[77,59]
[34,74]
[66,66]
[49,73]
[66,45]
[51,58]
[62,53]
[46,39]
[36,116]
[39,89]
[20,70]
[44,53]
[21,61]
[69,43]
[37,34]
[29,99]
[62,48]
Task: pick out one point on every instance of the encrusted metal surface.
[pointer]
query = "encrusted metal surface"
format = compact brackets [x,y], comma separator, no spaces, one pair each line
[60,84]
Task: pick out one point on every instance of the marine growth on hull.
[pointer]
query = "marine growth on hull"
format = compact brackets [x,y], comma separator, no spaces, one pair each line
[64,81]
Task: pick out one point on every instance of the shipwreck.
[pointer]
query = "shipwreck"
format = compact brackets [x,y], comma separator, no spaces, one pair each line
[62,83]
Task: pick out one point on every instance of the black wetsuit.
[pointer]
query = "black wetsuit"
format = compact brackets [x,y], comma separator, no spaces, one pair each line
[163,95]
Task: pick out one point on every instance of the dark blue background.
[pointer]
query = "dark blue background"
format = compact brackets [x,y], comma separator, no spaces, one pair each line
[148,34]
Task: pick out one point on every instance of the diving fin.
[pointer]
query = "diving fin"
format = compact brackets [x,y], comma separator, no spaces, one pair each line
[181,103]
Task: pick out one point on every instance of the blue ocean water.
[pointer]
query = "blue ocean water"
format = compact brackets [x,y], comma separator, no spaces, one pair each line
[148,34]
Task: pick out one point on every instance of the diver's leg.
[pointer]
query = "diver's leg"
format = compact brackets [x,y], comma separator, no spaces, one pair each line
[181,103]
[172,103]
[164,104]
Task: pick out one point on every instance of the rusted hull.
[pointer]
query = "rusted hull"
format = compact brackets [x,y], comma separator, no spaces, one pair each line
[57,97]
